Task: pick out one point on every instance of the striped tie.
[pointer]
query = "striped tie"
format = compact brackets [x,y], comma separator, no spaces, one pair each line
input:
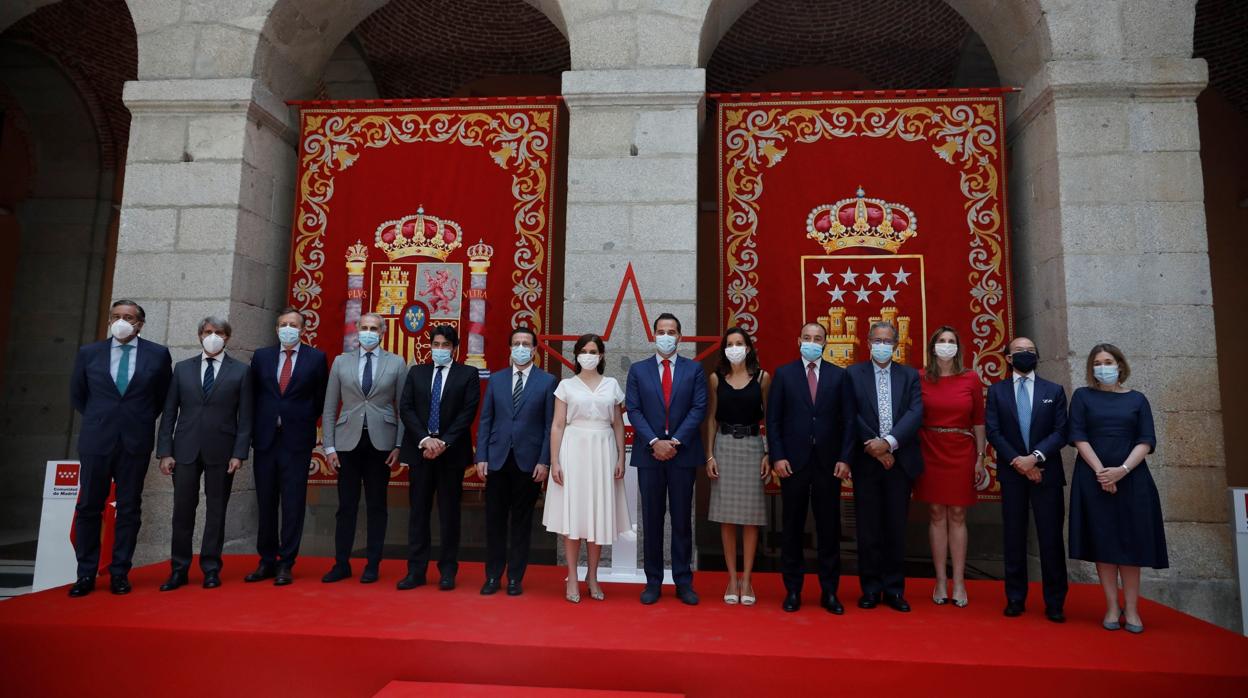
[208,377]
[515,393]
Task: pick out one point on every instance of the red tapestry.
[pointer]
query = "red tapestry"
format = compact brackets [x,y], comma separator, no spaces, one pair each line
[427,212]
[851,209]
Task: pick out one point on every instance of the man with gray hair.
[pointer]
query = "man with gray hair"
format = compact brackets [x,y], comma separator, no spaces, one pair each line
[205,433]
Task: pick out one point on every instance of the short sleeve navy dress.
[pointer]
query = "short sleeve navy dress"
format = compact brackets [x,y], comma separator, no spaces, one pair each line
[1123,528]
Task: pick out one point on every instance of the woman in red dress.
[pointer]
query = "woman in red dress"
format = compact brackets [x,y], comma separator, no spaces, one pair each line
[952,439]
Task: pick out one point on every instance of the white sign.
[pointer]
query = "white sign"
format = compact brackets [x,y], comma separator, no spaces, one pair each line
[55,562]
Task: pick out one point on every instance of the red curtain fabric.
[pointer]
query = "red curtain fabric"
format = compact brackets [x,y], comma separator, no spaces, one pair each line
[845,210]
[427,212]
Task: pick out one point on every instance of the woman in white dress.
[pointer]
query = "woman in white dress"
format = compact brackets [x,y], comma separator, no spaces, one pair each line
[585,499]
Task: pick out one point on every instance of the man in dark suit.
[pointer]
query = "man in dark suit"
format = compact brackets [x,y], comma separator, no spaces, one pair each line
[666,401]
[205,433]
[513,455]
[886,461]
[438,407]
[810,436]
[1026,422]
[118,386]
[288,384]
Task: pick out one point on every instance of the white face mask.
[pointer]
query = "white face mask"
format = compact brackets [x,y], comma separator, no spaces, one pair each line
[945,350]
[213,343]
[735,354]
[121,330]
[588,362]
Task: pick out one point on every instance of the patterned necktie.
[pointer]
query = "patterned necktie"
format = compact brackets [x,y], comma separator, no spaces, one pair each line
[884,400]
[367,383]
[435,402]
[123,369]
[517,391]
[284,379]
[667,395]
[1023,399]
[812,381]
[208,377]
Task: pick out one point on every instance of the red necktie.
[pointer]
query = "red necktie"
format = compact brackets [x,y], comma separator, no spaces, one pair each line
[667,393]
[812,380]
[284,379]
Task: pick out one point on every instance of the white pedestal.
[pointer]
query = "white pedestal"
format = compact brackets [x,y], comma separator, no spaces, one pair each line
[1239,505]
[55,561]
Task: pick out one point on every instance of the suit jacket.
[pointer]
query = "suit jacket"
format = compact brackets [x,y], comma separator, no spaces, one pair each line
[340,429]
[109,418]
[907,413]
[214,427]
[643,399]
[298,407]
[461,393]
[798,428]
[523,431]
[1048,426]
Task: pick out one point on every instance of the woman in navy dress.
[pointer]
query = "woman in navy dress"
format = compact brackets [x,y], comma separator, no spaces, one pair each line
[1115,512]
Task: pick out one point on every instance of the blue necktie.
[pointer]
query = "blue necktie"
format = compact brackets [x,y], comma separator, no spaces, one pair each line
[435,403]
[123,369]
[1023,398]
[517,392]
[208,377]
[367,383]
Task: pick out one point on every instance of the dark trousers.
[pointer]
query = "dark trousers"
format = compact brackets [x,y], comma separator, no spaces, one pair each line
[361,466]
[96,475]
[217,483]
[446,480]
[667,488]
[882,502]
[1045,500]
[813,486]
[281,490]
[510,494]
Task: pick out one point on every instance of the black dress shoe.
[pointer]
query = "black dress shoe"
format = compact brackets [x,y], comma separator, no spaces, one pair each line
[490,587]
[446,583]
[119,584]
[411,581]
[1014,609]
[212,580]
[650,594]
[897,602]
[82,587]
[369,576]
[336,574]
[831,604]
[177,579]
[283,576]
[792,601]
[1055,615]
[514,588]
[869,601]
[263,572]
[687,596]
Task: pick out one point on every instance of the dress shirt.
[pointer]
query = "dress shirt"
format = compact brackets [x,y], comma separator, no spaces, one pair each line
[887,372]
[375,351]
[216,365]
[114,358]
[659,359]
[1030,378]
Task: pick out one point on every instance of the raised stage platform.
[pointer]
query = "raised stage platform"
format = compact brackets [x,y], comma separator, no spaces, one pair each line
[350,639]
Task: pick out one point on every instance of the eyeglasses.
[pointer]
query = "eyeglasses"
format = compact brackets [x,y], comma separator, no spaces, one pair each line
[881,342]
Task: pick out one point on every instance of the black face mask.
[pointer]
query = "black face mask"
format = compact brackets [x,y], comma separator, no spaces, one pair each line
[1024,361]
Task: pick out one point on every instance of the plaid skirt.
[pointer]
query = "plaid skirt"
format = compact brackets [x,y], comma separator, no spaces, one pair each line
[737,496]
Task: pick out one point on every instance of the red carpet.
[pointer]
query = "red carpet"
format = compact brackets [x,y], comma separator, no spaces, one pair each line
[349,639]
[410,689]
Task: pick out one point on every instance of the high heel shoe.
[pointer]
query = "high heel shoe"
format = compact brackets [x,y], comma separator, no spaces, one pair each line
[962,602]
[730,598]
[939,599]
[747,595]
[595,592]
[573,596]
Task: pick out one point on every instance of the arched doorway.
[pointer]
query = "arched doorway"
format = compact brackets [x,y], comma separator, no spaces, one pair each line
[63,142]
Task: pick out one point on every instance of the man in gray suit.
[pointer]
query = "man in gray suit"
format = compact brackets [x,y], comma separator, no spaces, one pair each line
[205,431]
[361,441]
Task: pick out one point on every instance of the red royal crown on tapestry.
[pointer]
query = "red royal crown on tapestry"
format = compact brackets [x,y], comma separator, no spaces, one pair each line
[861,222]
[419,235]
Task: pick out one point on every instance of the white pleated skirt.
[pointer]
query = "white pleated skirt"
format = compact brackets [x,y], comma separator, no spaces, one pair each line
[590,505]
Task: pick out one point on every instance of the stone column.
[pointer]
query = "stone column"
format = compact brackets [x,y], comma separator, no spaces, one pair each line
[632,198]
[205,230]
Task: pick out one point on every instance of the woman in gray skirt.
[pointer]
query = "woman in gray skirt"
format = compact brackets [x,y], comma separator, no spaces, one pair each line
[737,466]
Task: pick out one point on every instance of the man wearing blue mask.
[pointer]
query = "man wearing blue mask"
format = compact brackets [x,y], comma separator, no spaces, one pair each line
[513,457]
[886,461]
[810,436]
[361,434]
[288,385]
[666,402]
[438,406]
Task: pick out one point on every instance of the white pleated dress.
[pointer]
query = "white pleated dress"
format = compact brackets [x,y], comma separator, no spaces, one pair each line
[590,505]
